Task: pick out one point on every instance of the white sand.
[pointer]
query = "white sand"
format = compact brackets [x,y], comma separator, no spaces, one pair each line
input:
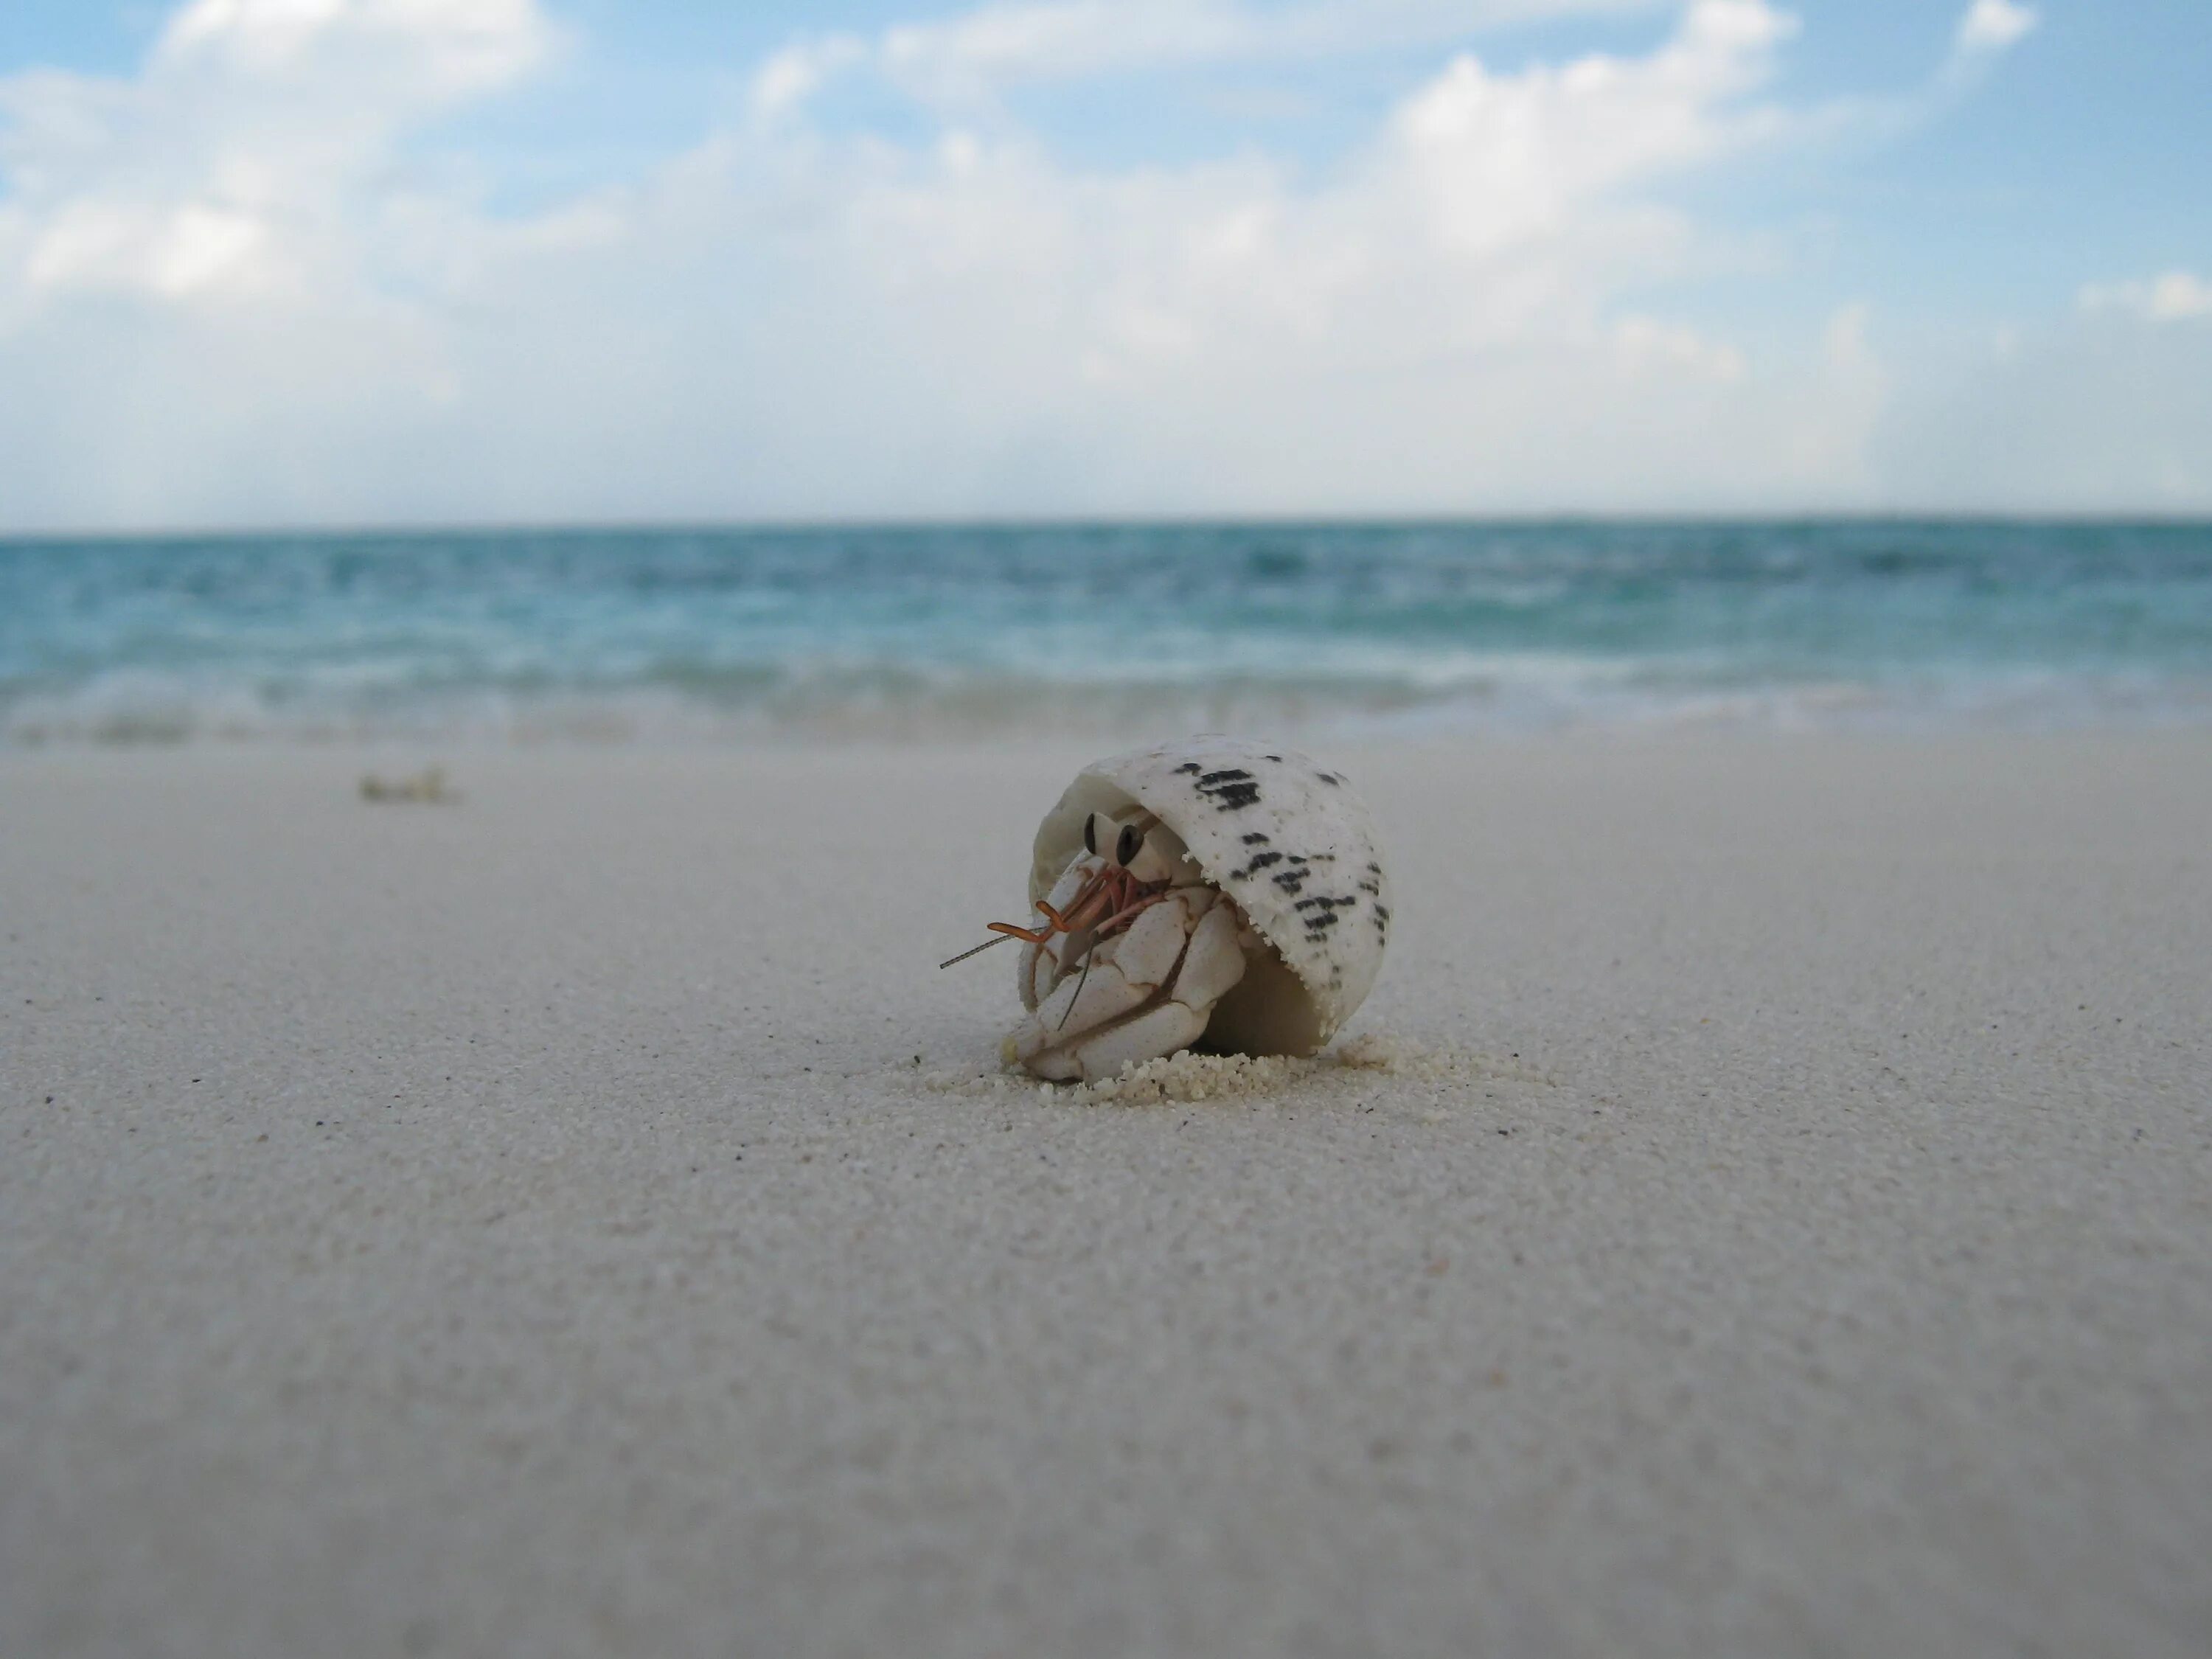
[523,1226]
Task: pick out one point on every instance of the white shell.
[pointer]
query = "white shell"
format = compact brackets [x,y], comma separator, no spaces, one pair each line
[1288,839]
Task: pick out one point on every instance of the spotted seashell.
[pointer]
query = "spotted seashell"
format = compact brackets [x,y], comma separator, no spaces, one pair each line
[1285,837]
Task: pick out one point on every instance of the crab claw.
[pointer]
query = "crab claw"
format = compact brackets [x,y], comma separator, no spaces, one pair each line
[1149,990]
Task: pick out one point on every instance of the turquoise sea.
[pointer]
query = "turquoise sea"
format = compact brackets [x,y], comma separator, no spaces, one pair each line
[676,634]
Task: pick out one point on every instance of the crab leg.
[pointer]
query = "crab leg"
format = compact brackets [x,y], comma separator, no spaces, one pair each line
[1095,897]
[1078,997]
[1114,924]
[1006,930]
[1151,989]
[1122,919]
[1120,908]
[1106,894]
[1060,924]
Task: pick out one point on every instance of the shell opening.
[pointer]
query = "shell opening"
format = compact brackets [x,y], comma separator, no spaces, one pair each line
[1268,1011]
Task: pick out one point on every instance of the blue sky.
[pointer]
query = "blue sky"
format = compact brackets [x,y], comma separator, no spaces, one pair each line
[348,261]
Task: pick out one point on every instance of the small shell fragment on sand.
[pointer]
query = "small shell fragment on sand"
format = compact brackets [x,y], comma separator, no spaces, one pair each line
[426,787]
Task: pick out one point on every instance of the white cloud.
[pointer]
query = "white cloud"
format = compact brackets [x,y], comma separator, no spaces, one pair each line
[1667,346]
[254,154]
[443,47]
[1496,158]
[236,288]
[1991,25]
[2173,296]
[793,75]
[968,58]
[1987,31]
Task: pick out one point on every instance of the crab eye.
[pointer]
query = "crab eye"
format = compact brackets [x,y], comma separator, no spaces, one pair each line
[1090,833]
[1125,850]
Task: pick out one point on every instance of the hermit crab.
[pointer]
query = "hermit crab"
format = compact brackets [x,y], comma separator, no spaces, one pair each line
[1209,892]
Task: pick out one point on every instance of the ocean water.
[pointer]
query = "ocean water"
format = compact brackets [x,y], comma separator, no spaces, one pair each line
[615,635]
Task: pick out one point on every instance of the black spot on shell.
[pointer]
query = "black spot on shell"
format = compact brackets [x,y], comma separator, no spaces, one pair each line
[1330,778]
[1327,902]
[1259,861]
[1274,757]
[1189,767]
[1255,839]
[1231,796]
[1291,880]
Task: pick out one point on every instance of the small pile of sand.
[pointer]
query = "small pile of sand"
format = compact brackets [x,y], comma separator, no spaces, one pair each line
[1186,1076]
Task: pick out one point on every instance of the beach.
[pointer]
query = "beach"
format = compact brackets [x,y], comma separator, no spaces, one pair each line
[1771,1214]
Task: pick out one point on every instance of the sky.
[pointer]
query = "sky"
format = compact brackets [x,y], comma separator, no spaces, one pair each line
[288,263]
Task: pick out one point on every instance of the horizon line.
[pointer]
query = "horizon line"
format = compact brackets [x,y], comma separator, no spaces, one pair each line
[2150,518]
